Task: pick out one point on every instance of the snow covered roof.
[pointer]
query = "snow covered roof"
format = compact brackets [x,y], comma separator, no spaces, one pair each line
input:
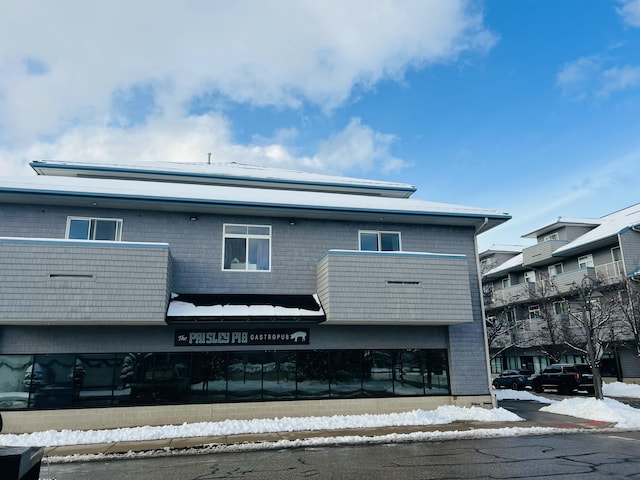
[499,248]
[608,226]
[503,268]
[245,307]
[192,198]
[229,174]
[562,222]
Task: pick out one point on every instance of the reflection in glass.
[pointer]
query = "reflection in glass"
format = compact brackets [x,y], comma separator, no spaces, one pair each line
[244,373]
[50,381]
[13,369]
[208,378]
[279,375]
[436,372]
[407,378]
[346,373]
[91,380]
[313,374]
[378,373]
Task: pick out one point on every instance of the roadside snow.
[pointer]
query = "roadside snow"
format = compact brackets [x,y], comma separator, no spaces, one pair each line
[619,389]
[440,416]
[520,395]
[607,410]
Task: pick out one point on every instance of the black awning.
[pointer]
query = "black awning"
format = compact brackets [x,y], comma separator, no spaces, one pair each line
[244,307]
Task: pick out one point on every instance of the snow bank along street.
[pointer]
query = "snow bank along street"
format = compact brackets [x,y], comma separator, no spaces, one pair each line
[608,410]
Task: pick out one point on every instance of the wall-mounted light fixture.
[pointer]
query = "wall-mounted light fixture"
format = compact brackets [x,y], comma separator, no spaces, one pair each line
[292,221]
[193,218]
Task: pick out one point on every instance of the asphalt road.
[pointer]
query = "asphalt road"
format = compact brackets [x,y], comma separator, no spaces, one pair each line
[581,456]
[572,456]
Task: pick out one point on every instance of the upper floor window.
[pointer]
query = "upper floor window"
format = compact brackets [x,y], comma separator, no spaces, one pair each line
[586,261]
[530,276]
[87,228]
[551,236]
[555,269]
[534,311]
[616,254]
[380,241]
[560,308]
[506,283]
[247,247]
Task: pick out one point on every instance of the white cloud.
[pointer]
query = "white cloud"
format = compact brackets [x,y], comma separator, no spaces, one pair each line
[619,78]
[630,12]
[64,68]
[356,147]
[190,139]
[589,76]
[576,78]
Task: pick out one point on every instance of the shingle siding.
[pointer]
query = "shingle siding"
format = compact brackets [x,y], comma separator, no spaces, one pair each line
[196,267]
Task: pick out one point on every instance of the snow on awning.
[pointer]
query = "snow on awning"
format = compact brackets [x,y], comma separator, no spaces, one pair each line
[238,307]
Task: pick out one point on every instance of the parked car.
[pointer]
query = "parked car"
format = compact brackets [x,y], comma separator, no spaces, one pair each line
[565,378]
[515,379]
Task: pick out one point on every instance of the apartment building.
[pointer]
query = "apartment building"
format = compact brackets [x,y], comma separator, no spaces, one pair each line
[535,301]
[171,293]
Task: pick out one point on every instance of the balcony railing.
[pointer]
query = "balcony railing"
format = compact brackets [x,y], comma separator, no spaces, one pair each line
[394,288]
[51,281]
[612,272]
[519,293]
[568,281]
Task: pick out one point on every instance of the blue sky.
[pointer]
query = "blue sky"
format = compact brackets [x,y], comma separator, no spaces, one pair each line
[528,107]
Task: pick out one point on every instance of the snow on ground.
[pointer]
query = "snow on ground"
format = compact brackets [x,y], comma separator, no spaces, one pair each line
[608,410]
[520,395]
[620,389]
[440,416]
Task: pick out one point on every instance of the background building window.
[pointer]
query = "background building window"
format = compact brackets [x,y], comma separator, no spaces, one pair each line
[84,228]
[555,270]
[247,247]
[585,261]
[380,241]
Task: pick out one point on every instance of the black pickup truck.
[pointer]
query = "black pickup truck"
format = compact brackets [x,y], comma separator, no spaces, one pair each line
[565,378]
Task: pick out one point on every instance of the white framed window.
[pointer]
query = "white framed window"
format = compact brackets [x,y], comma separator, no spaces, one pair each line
[616,254]
[89,228]
[246,247]
[551,236]
[534,311]
[379,241]
[530,276]
[586,261]
[560,308]
[555,269]
[506,283]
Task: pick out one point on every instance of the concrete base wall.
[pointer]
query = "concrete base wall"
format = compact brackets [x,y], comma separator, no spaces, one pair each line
[109,418]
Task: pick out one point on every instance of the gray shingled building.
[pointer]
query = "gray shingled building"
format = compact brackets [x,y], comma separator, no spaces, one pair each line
[234,292]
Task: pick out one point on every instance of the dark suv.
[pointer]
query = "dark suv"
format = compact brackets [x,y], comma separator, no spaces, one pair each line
[565,378]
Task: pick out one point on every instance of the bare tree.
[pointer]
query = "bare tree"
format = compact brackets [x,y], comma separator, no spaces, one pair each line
[593,307]
[629,310]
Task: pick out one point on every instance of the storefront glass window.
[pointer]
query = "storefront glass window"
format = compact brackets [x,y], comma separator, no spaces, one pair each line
[279,375]
[313,374]
[244,373]
[346,373]
[407,373]
[378,373]
[436,375]
[14,387]
[145,378]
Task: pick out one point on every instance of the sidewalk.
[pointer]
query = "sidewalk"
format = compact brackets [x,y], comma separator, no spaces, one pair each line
[555,421]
